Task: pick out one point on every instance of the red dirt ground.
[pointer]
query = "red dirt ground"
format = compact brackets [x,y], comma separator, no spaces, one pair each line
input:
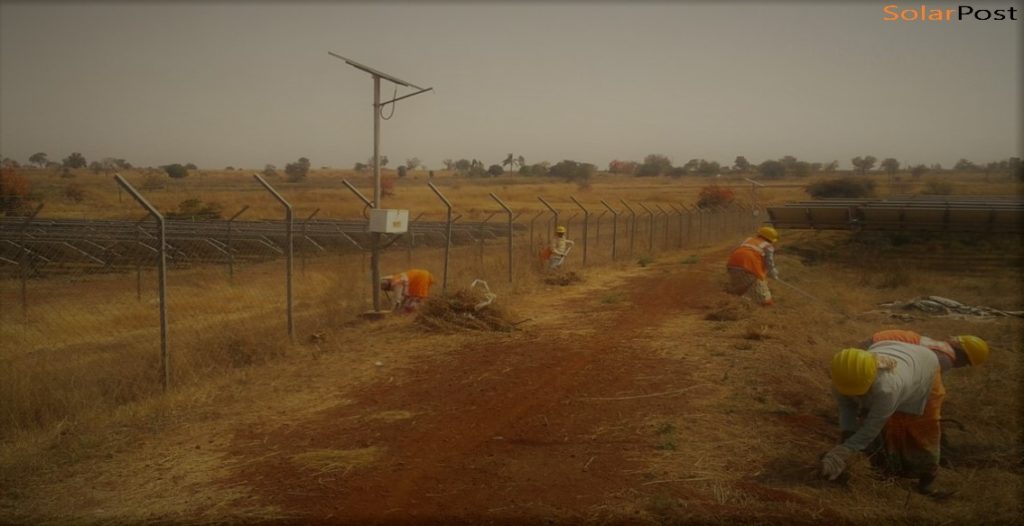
[506,432]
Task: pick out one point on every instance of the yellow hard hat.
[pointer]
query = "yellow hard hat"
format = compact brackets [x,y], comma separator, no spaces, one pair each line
[975,347]
[768,233]
[853,371]
[560,230]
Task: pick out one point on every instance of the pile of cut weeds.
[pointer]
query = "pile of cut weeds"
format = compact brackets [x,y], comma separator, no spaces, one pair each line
[567,278]
[462,311]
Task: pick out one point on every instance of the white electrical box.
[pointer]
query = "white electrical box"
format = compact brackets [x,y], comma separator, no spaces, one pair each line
[389,220]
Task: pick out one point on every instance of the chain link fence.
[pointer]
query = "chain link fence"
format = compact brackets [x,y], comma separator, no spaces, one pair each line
[81,307]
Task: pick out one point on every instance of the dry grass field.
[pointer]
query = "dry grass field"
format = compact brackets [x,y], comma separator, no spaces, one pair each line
[640,394]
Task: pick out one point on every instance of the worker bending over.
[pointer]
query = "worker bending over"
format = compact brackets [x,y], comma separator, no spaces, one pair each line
[408,289]
[751,263]
[890,403]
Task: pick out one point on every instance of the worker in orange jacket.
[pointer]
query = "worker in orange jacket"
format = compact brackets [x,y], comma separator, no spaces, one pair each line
[751,263]
[410,288]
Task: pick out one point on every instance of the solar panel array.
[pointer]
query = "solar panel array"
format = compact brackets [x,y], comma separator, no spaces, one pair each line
[994,214]
[111,244]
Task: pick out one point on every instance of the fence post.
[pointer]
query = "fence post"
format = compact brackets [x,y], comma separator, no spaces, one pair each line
[689,224]
[447,236]
[532,244]
[305,236]
[650,233]
[509,212]
[231,254]
[552,209]
[165,358]
[680,214]
[586,227]
[632,225]
[480,235]
[289,254]
[615,226]
[662,212]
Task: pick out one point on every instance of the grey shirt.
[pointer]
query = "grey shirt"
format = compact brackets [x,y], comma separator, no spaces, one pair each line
[904,388]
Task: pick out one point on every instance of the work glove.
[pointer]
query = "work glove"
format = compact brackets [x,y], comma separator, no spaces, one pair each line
[834,462]
[774,273]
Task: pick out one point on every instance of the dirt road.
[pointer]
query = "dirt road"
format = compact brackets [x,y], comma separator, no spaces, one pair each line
[558,423]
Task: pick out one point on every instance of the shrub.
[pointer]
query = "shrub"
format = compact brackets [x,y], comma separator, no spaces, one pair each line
[712,196]
[14,190]
[176,171]
[297,171]
[845,187]
[195,209]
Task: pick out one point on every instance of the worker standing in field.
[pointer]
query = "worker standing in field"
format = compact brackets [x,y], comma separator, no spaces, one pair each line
[409,288]
[559,248]
[751,263]
[890,404]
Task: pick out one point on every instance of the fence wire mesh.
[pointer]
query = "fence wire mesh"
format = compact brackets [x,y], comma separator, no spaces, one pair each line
[79,302]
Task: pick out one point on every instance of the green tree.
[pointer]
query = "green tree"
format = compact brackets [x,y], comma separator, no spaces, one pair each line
[75,160]
[39,159]
[741,164]
[771,170]
[708,168]
[269,170]
[412,163]
[298,170]
[963,165]
[495,170]
[175,171]
[890,165]
[654,164]
[572,171]
[917,171]
[863,164]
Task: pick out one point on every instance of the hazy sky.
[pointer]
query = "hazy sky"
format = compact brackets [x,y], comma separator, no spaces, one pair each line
[243,84]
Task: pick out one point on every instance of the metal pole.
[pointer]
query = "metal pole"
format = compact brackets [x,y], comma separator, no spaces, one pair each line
[615,226]
[447,235]
[632,225]
[305,235]
[288,226]
[650,225]
[509,212]
[552,209]
[662,212]
[586,226]
[480,236]
[680,213]
[231,254]
[374,236]
[532,244]
[165,357]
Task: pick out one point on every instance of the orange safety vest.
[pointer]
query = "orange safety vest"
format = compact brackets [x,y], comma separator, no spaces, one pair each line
[750,256]
[419,283]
